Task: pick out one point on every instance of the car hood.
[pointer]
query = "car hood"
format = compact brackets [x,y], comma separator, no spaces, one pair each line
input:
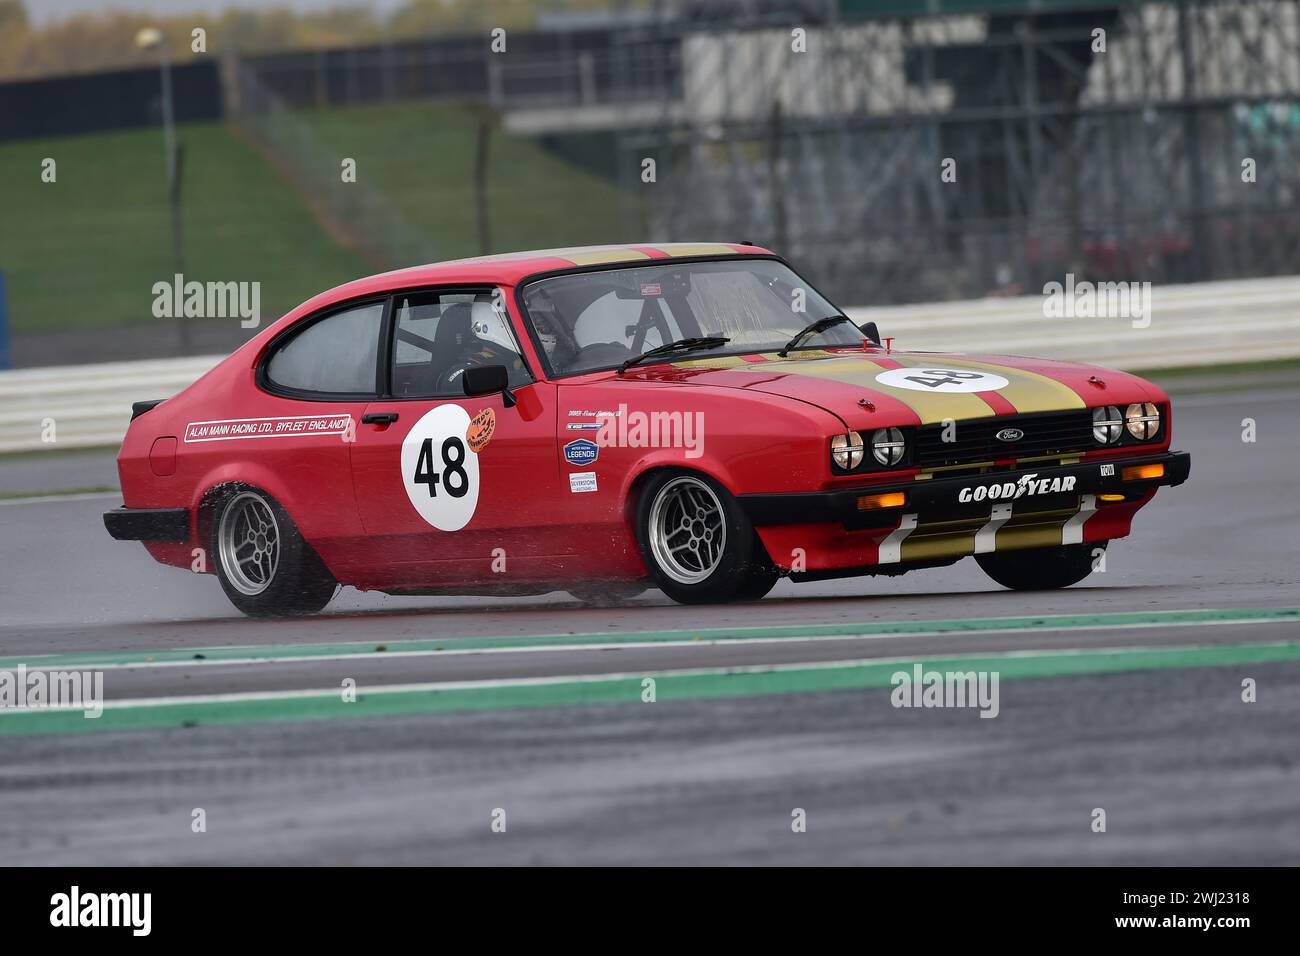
[873,387]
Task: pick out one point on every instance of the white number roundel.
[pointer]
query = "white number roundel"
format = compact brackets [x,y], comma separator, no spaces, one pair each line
[939,379]
[439,471]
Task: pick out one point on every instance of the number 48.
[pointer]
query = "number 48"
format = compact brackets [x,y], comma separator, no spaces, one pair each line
[454,479]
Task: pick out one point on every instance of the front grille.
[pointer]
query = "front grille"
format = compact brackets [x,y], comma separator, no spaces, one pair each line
[1046,433]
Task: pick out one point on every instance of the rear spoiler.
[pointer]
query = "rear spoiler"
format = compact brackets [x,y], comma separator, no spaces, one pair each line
[139,408]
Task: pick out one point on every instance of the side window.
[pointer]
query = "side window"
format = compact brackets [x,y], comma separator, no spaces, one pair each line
[440,334]
[338,354]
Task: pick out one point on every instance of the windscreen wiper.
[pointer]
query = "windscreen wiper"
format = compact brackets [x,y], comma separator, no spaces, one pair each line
[678,347]
[821,325]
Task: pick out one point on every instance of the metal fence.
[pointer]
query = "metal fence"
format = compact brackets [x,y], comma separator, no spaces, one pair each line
[354,210]
[1124,159]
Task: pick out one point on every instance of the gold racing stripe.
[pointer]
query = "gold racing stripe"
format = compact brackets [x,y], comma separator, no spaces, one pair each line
[941,540]
[1027,391]
[689,249]
[947,539]
[596,257]
[930,408]
[1043,533]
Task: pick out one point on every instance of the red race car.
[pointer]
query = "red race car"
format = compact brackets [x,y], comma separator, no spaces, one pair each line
[598,420]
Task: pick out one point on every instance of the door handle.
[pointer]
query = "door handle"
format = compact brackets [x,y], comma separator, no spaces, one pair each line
[379,418]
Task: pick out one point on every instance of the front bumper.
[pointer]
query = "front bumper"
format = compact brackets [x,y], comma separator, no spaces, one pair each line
[148,524]
[942,499]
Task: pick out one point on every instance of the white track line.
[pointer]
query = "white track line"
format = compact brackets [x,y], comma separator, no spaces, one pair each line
[433,686]
[37,665]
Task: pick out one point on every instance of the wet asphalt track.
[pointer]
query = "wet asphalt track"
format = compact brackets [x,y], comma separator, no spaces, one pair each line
[1186,772]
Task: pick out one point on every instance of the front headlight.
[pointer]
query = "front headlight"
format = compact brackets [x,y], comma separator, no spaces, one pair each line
[846,450]
[888,446]
[1143,421]
[1107,423]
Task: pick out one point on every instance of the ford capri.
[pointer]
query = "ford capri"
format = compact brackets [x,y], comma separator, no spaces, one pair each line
[696,418]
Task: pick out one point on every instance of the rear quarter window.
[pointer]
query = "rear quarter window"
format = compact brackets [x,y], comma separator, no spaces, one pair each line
[337,354]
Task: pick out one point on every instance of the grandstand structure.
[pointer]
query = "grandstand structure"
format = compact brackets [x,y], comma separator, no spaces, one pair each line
[1148,141]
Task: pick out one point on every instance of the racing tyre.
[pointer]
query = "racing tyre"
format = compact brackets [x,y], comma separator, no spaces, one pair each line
[1040,569]
[697,542]
[264,565]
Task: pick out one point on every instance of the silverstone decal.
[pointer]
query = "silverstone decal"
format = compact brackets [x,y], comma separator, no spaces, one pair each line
[481,429]
[1010,490]
[942,380]
[301,425]
[581,451]
[440,469]
[580,481]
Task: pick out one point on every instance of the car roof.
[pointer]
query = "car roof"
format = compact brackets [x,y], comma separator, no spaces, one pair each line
[509,268]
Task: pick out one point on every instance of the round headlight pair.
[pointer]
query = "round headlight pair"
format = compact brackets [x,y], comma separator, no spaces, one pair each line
[1143,421]
[887,448]
[1107,423]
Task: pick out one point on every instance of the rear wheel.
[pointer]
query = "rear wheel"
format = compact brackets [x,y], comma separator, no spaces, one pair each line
[265,566]
[1040,569]
[697,542]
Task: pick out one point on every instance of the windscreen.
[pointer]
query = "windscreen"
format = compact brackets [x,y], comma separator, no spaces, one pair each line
[595,320]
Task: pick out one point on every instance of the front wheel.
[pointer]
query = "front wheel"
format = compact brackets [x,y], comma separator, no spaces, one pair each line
[1040,569]
[697,542]
[265,566]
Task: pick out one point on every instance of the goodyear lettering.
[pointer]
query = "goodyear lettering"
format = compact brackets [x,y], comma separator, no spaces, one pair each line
[1010,490]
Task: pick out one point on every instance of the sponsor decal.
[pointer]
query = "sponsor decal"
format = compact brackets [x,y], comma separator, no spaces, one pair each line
[943,380]
[480,431]
[580,481]
[1010,490]
[651,288]
[583,426]
[440,469]
[581,451]
[1108,471]
[225,429]
[1009,434]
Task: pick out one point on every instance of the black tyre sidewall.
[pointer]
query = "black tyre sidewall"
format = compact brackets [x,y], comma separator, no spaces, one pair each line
[1040,569]
[743,557]
[301,584]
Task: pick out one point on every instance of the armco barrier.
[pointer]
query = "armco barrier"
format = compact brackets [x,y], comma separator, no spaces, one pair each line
[1202,324]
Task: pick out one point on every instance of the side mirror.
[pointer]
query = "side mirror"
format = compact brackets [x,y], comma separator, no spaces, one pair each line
[870,331]
[488,380]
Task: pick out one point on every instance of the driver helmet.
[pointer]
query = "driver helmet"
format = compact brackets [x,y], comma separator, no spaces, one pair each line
[490,323]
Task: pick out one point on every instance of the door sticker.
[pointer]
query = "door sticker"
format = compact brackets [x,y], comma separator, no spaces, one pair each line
[480,429]
[938,379]
[581,451]
[582,481]
[440,469]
